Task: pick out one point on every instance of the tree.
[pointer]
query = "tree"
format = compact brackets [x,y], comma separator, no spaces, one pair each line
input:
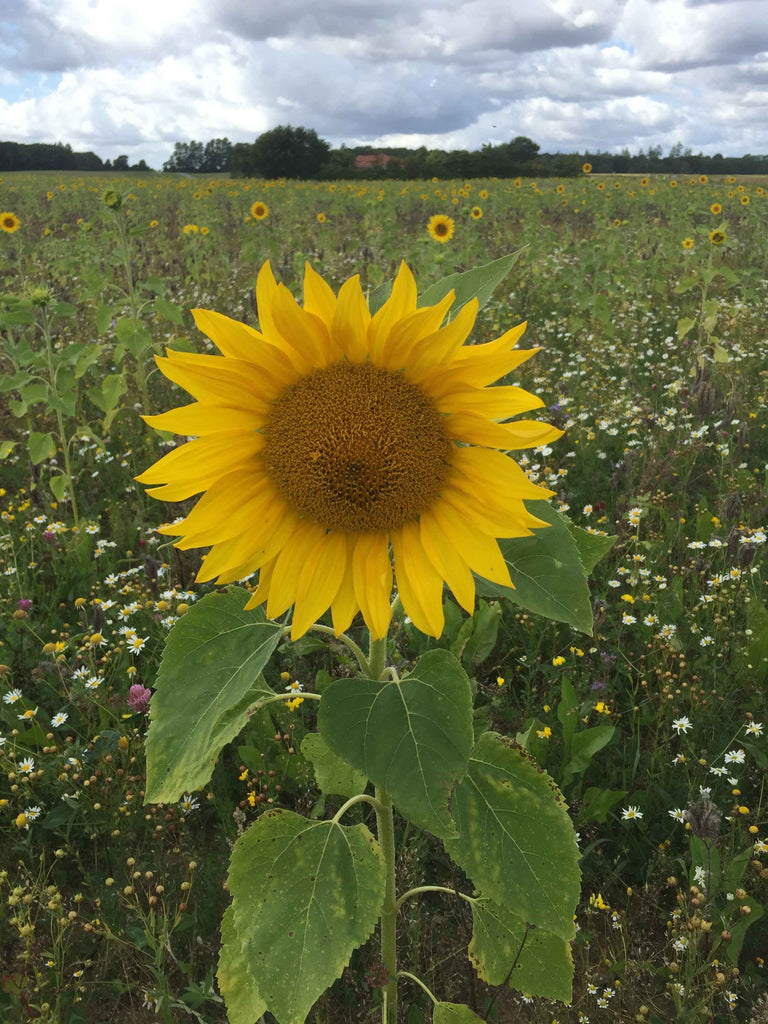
[286,152]
[121,163]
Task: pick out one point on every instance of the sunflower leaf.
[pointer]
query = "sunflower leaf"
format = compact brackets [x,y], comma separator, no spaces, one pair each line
[454,1013]
[333,775]
[479,283]
[411,738]
[305,894]
[236,981]
[542,961]
[516,841]
[209,677]
[547,571]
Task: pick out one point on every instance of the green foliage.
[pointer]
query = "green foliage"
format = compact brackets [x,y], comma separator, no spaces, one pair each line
[304,896]
[332,773]
[411,738]
[209,677]
[479,283]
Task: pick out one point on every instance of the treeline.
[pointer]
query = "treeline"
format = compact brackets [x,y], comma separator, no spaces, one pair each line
[58,156]
[287,152]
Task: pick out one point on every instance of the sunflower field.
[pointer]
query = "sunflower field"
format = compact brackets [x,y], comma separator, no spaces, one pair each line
[539,552]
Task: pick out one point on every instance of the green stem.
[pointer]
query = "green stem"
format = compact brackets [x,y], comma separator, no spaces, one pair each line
[419,982]
[377,658]
[431,888]
[361,658]
[133,302]
[359,799]
[385,827]
[63,440]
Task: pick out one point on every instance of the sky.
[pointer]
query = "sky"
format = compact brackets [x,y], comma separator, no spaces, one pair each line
[135,76]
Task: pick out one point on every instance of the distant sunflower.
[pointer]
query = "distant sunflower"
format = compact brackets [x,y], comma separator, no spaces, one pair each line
[9,222]
[587,168]
[600,186]
[644,182]
[617,222]
[204,231]
[744,200]
[673,184]
[560,189]
[331,441]
[440,227]
[190,229]
[483,193]
[716,208]
[688,243]
[259,210]
[476,212]
[703,179]
[153,223]
[321,218]
[717,237]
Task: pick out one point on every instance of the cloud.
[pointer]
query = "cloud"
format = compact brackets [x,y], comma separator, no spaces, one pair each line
[135,76]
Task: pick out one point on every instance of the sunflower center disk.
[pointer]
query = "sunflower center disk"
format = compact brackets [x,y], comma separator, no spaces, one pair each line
[356,448]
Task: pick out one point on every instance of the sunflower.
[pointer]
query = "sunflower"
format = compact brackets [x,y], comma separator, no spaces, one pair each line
[717,237]
[440,227]
[673,184]
[190,229]
[330,435]
[321,218]
[716,208]
[643,182]
[744,200]
[9,222]
[688,243]
[587,168]
[476,212]
[483,193]
[259,210]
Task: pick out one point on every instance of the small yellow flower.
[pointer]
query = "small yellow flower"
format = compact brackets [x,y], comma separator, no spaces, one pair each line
[688,243]
[544,733]
[500,680]
[559,660]
[190,229]
[153,223]
[440,228]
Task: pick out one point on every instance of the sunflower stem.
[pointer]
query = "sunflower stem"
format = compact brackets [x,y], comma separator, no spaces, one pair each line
[385,826]
[377,658]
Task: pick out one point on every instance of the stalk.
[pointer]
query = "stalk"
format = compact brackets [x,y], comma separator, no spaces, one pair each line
[385,827]
[59,417]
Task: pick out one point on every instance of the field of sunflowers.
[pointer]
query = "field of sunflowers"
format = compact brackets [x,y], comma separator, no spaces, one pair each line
[647,300]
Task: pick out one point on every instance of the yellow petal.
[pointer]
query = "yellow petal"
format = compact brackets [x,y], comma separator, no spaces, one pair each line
[419,584]
[229,381]
[290,562]
[480,551]
[484,472]
[345,604]
[220,520]
[372,571]
[318,296]
[349,329]
[198,419]
[510,520]
[401,303]
[319,582]
[494,403]
[274,532]
[442,346]
[303,331]
[476,429]
[198,463]
[447,561]
[261,593]
[401,339]
[245,343]
[223,498]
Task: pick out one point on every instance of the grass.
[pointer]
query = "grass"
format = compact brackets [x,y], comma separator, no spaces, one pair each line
[655,360]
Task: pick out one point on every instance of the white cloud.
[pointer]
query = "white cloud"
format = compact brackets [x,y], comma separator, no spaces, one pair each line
[134,76]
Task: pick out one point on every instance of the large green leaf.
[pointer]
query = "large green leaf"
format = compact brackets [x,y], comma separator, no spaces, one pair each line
[592,547]
[411,738]
[543,963]
[479,283]
[547,572]
[41,446]
[209,677]
[454,1013]
[236,982]
[305,895]
[516,841]
[333,775]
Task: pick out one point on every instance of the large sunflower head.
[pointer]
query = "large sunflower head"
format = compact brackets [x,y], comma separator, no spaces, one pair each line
[331,444]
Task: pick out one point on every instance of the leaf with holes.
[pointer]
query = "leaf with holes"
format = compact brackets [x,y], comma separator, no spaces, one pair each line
[209,677]
[516,841]
[411,738]
[542,961]
[305,894]
[454,1013]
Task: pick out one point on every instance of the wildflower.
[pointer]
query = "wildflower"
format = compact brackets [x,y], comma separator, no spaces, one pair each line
[476,213]
[628,619]
[755,728]
[9,222]
[559,660]
[634,515]
[678,814]
[138,699]
[545,733]
[631,812]
[294,687]
[26,715]
[259,210]
[735,757]
[59,719]
[321,218]
[688,243]
[137,643]
[292,426]
[190,229]
[706,641]
[27,765]
[12,696]
[681,724]
[189,803]
[716,208]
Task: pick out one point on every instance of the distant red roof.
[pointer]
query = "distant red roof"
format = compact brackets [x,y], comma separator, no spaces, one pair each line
[364,160]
